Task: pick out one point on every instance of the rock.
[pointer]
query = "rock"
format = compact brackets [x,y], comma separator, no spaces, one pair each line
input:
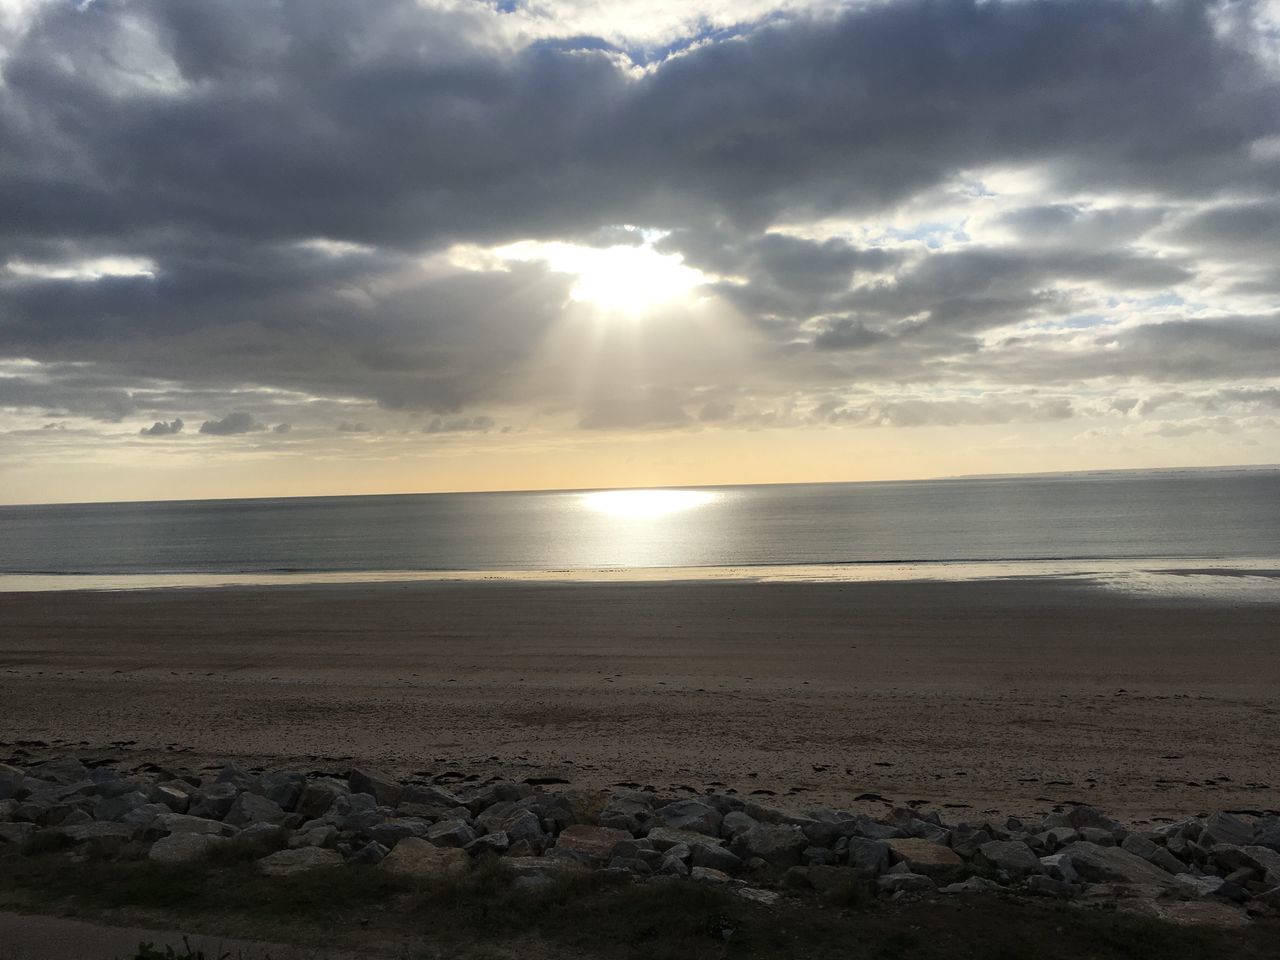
[450,833]
[213,802]
[63,770]
[663,838]
[1225,828]
[927,830]
[237,776]
[1190,912]
[1191,885]
[86,832]
[871,830]
[318,796]
[381,787]
[1113,865]
[175,799]
[714,857]
[923,857]
[972,885]
[673,867]
[681,851]
[490,842]
[1266,833]
[251,808]
[1012,857]
[818,856]
[145,817]
[284,789]
[113,808]
[1098,836]
[415,857]
[1058,866]
[429,796]
[540,866]
[184,823]
[522,825]
[1232,891]
[777,844]
[16,834]
[905,882]
[1152,853]
[1058,837]
[868,858]
[735,823]
[965,840]
[1084,817]
[286,863]
[591,844]
[392,831]
[324,836]
[372,852]
[627,813]
[766,898]
[1263,859]
[708,875]
[691,815]
[184,847]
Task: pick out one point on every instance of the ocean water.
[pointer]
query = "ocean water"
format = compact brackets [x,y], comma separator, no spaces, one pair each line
[1222,525]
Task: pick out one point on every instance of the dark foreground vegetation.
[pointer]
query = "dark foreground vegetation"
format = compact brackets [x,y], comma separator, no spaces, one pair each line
[484,914]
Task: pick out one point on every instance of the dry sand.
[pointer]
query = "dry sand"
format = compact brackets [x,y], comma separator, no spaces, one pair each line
[1007,696]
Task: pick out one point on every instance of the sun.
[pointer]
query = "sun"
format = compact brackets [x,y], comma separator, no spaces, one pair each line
[631,279]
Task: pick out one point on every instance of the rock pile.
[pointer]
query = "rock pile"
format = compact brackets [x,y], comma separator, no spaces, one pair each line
[425,830]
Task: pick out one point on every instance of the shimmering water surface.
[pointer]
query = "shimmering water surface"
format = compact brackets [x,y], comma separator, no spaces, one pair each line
[1187,524]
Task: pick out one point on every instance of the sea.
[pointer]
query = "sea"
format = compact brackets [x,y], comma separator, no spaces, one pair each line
[1191,531]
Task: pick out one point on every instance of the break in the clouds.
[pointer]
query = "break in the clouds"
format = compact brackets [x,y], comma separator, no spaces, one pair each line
[412,227]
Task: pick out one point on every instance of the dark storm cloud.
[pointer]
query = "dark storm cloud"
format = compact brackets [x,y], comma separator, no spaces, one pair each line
[233,424]
[212,141]
[163,428]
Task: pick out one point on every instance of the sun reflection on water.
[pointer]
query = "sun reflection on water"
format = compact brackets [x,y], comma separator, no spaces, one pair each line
[641,504]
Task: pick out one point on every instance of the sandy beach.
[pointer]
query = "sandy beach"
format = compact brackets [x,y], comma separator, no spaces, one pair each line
[1008,696]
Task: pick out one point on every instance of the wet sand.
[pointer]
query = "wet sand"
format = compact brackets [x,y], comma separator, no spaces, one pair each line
[1008,696]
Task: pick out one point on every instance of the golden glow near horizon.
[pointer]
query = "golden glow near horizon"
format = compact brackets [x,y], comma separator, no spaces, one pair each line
[645,504]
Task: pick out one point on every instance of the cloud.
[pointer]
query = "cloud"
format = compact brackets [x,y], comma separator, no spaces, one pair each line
[349,426]
[232,424]
[211,207]
[162,428]
[478,424]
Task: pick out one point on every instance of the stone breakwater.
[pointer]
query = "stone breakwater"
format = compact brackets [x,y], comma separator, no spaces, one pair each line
[1221,868]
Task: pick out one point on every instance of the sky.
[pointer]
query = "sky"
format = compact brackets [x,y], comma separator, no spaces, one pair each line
[319,247]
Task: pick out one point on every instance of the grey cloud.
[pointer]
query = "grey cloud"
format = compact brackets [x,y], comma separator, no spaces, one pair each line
[921,413]
[162,428]
[353,426]
[477,424]
[1066,223]
[282,428]
[232,424]
[247,129]
[1254,226]
[848,334]
[646,408]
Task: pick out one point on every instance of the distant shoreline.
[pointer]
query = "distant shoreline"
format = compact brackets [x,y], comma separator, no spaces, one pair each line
[1239,579]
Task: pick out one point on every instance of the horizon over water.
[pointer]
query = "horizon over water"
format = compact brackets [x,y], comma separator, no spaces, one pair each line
[1168,530]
